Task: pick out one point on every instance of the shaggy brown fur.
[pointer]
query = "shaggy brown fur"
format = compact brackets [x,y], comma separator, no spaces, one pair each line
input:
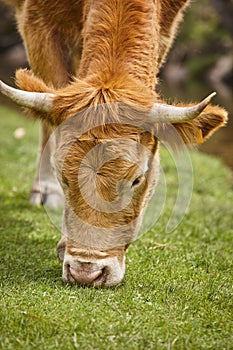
[124,44]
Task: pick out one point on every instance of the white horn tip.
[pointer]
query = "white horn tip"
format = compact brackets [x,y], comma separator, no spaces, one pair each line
[205,102]
[209,98]
[1,85]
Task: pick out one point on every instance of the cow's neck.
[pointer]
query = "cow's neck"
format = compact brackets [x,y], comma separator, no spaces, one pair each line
[120,39]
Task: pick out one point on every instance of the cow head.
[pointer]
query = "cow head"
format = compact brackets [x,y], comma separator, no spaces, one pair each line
[106,160]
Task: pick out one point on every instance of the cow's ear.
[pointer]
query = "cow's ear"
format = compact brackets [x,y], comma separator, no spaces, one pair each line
[27,81]
[202,127]
[34,95]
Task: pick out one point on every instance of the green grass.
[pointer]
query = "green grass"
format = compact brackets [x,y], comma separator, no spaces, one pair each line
[174,297]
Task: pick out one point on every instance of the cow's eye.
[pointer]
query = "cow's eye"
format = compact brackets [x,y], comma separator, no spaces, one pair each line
[138,181]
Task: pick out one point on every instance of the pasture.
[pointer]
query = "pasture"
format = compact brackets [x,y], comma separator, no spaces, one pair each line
[177,294]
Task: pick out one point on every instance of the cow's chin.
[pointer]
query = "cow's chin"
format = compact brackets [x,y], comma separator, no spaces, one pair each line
[108,271]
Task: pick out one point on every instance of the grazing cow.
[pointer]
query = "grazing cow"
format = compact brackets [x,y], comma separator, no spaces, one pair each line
[94,78]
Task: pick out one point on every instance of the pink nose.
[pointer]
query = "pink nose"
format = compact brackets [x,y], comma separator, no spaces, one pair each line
[85,275]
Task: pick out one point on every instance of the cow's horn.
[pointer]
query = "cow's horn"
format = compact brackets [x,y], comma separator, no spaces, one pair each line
[174,114]
[40,101]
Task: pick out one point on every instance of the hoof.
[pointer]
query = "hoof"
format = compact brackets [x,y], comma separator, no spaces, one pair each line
[52,200]
[35,198]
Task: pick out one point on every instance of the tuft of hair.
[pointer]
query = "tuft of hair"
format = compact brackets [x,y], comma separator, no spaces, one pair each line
[106,98]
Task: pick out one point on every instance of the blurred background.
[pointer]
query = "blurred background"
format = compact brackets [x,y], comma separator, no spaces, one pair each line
[200,62]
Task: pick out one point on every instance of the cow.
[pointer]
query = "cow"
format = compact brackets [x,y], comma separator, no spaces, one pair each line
[94,78]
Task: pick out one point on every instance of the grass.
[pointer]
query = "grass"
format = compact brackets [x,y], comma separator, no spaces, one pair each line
[176,296]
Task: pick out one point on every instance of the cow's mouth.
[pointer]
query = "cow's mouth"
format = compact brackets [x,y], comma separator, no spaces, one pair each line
[84,278]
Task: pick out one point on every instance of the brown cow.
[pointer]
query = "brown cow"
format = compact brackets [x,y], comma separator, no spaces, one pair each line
[94,66]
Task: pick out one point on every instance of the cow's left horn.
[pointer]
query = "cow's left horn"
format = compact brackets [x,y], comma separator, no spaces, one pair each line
[174,114]
[40,101]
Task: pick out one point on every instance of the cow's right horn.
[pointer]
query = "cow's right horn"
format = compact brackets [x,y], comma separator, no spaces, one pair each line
[40,101]
[175,114]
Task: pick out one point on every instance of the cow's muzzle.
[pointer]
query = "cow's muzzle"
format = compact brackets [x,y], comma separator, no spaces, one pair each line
[104,272]
[88,267]
[87,274]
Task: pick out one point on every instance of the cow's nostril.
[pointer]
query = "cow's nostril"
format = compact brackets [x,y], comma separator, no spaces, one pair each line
[101,278]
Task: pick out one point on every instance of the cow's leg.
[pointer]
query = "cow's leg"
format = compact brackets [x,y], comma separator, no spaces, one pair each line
[45,187]
[49,60]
